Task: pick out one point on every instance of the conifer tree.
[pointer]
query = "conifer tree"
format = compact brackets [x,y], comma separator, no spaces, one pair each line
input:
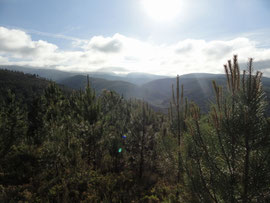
[141,140]
[12,124]
[232,149]
[178,113]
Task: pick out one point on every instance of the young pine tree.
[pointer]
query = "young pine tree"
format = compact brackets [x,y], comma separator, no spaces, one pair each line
[233,147]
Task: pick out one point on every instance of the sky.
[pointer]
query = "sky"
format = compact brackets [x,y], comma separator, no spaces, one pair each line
[166,37]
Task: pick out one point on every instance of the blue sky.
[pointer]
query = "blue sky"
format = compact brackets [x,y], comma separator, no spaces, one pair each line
[80,28]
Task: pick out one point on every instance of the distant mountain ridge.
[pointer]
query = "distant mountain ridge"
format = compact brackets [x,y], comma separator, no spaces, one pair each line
[197,88]
[158,92]
[50,74]
[58,75]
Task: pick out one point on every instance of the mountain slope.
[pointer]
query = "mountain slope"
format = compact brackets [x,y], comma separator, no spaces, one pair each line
[25,86]
[126,89]
[197,88]
[50,74]
[157,92]
[57,75]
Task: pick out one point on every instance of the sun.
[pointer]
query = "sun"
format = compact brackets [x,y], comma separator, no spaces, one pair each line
[162,10]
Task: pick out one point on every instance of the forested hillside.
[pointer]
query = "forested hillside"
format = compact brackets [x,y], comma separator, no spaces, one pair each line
[158,93]
[50,74]
[80,147]
[24,86]
[57,75]
[154,89]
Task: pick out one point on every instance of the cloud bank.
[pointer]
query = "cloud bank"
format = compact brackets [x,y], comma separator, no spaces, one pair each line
[129,54]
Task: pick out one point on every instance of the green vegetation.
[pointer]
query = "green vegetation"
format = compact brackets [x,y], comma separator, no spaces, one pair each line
[78,147]
[198,88]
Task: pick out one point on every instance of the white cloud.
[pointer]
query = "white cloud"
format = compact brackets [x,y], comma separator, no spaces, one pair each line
[18,44]
[3,60]
[99,53]
[106,45]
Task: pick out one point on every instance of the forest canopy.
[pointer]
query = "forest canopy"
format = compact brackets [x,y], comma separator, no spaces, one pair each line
[58,145]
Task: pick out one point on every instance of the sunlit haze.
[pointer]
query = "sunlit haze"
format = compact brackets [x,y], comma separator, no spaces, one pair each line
[162,10]
[165,37]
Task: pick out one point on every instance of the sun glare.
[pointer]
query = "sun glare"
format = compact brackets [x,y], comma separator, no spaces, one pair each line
[162,10]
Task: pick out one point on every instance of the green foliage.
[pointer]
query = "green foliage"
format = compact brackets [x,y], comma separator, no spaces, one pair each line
[233,145]
[24,86]
[12,124]
[78,147]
